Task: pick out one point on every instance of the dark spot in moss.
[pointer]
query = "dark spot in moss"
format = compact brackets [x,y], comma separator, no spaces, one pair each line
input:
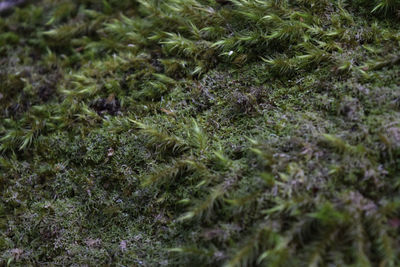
[109,105]
[46,91]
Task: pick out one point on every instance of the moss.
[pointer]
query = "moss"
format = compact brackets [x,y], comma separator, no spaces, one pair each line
[203,133]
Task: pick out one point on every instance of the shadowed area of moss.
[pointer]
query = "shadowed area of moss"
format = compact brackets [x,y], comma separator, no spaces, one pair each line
[200,133]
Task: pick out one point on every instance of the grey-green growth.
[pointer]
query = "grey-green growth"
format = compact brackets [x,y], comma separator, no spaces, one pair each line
[200,133]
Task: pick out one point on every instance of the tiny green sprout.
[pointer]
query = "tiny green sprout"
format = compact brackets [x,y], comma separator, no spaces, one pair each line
[184,201]
[187,216]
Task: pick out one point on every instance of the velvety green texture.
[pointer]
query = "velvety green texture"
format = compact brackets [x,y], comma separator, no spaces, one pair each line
[200,133]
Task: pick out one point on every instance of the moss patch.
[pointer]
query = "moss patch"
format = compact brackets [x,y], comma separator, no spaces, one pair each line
[201,133]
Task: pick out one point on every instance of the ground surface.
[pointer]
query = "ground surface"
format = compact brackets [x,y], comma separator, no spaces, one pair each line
[200,133]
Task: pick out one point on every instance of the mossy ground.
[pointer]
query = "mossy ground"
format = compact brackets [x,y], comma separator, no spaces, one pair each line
[200,133]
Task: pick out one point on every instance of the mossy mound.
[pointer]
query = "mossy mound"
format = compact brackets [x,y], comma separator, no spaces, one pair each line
[200,133]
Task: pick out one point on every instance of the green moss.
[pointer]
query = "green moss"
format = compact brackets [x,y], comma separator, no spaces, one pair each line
[205,133]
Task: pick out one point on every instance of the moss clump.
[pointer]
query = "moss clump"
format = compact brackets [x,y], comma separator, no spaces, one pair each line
[205,133]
